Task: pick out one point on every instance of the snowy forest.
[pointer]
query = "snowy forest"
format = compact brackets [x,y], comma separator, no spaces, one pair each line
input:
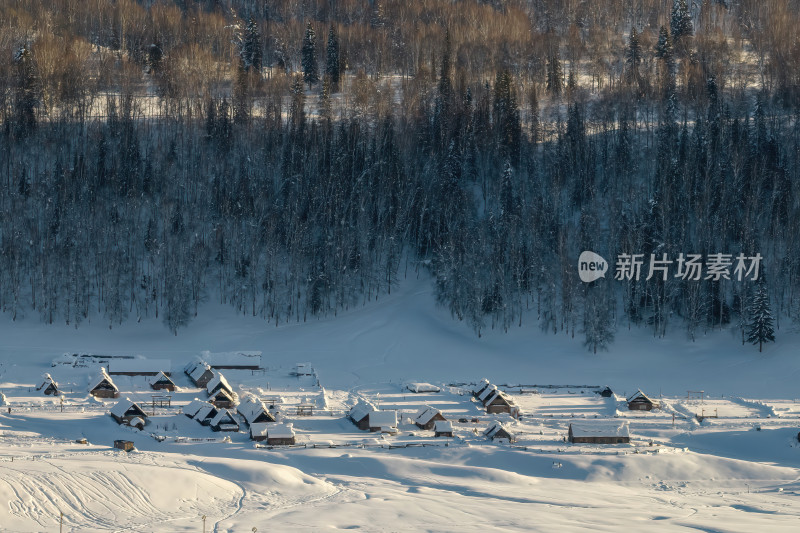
[297,158]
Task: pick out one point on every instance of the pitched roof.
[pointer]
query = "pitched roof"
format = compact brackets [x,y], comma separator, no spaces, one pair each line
[443,426]
[260,428]
[482,384]
[204,412]
[383,418]
[492,430]
[640,394]
[198,370]
[487,392]
[425,415]
[161,377]
[103,377]
[47,380]
[223,417]
[251,407]
[124,405]
[192,407]
[493,397]
[217,380]
[360,410]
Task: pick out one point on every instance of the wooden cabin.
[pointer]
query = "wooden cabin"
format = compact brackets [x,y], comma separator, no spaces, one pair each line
[206,414]
[103,387]
[200,373]
[442,428]
[254,411]
[497,402]
[49,387]
[233,360]
[383,421]
[419,387]
[280,434]
[497,432]
[223,399]
[639,401]
[224,421]
[427,417]
[359,415]
[481,387]
[162,382]
[606,393]
[598,433]
[258,431]
[218,383]
[124,445]
[128,413]
[193,407]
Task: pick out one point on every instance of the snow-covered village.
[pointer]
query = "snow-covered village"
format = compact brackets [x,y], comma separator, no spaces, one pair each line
[399,265]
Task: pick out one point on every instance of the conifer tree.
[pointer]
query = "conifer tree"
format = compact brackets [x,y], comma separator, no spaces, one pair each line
[681,20]
[309,59]
[555,76]
[761,327]
[332,60]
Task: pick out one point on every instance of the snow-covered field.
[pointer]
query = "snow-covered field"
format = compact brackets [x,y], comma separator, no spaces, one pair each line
[727,462]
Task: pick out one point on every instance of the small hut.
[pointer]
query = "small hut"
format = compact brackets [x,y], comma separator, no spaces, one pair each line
[205,414]
[200,373]
[258,430]
[302,369]
[162,382]
[639,401]
[443,428]
[254,411]
[280,434]
[224,421]
[103,387]
[497,402]
[359,415]
[129,413]
[218,383]
[192,407]
[599,433]
[497,432]
[420,387]
[124,445]
[222,399]
[49,387]
[481,387]
[607,392]
[383,421]
[427,417]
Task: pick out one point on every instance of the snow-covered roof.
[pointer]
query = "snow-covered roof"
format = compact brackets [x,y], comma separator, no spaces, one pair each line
[204,412]
[191,365]
[443,426]
[223,417]
[47,380]
[360,410]
[260,428]
[135,421]
[250,408]
[493,397]
[223,395]
[102,377]
[239,358]
[198,370]
[303,369]
[383,418]
[492,430]
[192,407]
[425,415]
[123,406]
[218,379]
[422,387]
[487,392]
[640,394]
[597,428]
[482,384]
[161,377]
[139,365]
[280,431]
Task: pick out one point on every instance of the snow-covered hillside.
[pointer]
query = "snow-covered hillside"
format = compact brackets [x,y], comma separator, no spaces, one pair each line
[727,462]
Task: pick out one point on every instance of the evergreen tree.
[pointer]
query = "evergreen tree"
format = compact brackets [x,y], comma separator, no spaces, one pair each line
[761,327]
[251,51]
[332,60]
[555,76]
[309,59]
[633,56]
[681,20]
[25,92]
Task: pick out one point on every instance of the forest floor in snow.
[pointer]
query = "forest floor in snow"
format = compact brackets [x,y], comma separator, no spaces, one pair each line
[737,470]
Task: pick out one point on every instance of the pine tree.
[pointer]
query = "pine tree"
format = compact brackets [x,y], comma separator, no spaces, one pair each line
[251,51]
[332,60]
[633,56]
[555,76]
[309,59]
[681,21]
[761,327]
[25,92]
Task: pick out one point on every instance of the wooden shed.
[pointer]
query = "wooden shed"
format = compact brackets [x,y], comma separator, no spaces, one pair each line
[103,387]
[224,421]
[193,407]
[383,421]
[258,430]
[497,402]
[218,383]
[162,382]
[205,414]
[639,401]
[49,387]
[200,373]
[254,411]
[607,392]
[223,399]
[359,415]
[280,434]
[497,432]
[124,445]
[126,411]
[233,360]
[481,387]
[427,417]
[443,428]
[594,432]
